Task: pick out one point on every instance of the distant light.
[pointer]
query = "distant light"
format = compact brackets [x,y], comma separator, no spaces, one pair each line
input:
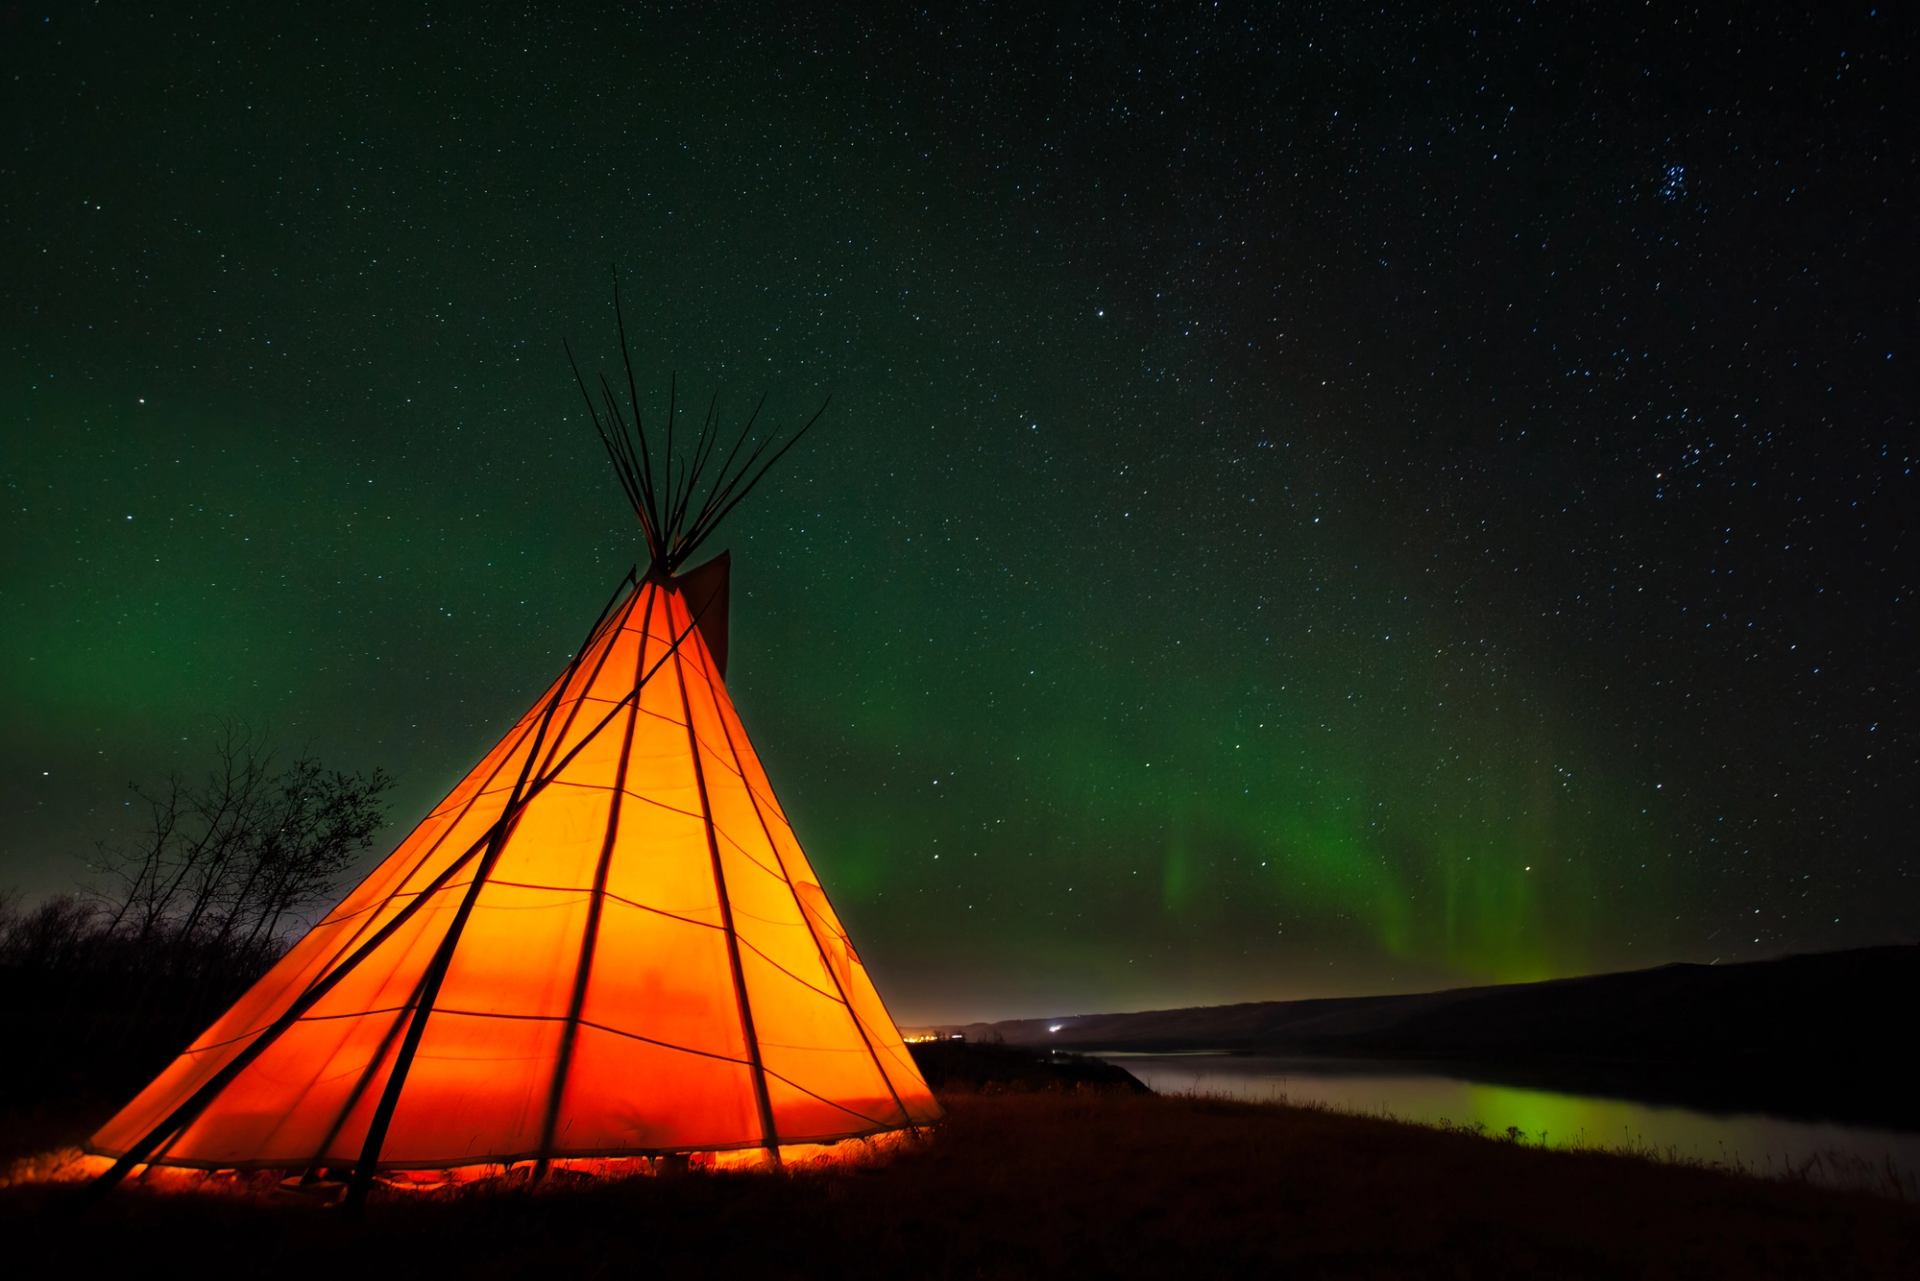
[1055,1027]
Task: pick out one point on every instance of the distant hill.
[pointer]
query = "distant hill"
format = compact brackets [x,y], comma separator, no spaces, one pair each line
[1821,1034]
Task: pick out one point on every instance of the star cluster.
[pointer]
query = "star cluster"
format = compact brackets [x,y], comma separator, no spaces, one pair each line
[1314,501]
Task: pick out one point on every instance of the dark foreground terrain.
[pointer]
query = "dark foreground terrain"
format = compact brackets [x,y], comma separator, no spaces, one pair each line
[1049,1183]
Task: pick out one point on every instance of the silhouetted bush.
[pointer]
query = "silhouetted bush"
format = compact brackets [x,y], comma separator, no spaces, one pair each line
[100,988]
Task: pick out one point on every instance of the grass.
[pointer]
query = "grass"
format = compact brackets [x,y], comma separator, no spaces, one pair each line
[1044,1183]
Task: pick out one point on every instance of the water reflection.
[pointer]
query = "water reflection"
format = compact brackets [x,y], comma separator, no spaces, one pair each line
[1885,1161]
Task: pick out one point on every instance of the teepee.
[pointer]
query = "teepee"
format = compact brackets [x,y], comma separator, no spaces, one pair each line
[606,941]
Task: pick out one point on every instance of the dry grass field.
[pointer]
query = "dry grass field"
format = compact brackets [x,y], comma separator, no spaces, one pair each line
[1032,1183]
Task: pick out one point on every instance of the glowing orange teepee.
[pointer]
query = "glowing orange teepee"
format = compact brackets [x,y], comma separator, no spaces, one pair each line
[606,941]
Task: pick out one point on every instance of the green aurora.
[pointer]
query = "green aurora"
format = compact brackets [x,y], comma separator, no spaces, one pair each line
[1105,793]
[1177,604]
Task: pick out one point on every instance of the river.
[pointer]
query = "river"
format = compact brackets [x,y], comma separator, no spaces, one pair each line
[1880,1160]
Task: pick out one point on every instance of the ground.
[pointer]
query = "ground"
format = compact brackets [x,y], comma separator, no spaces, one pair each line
[1043,1183]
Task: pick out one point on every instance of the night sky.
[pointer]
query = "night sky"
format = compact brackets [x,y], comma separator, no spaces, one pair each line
[1314,501]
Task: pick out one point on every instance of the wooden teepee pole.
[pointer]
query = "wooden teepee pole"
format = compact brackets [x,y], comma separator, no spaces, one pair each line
[190,1109]
[443,955]
[780,861]
[769,1136]
[590,935]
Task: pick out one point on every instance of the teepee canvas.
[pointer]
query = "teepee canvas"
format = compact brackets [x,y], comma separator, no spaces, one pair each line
[606,941]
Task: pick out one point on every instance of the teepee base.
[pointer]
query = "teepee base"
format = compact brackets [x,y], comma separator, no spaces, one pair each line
[327,1184]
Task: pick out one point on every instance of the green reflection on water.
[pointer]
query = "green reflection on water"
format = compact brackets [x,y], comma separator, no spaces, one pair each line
[1548,1118]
